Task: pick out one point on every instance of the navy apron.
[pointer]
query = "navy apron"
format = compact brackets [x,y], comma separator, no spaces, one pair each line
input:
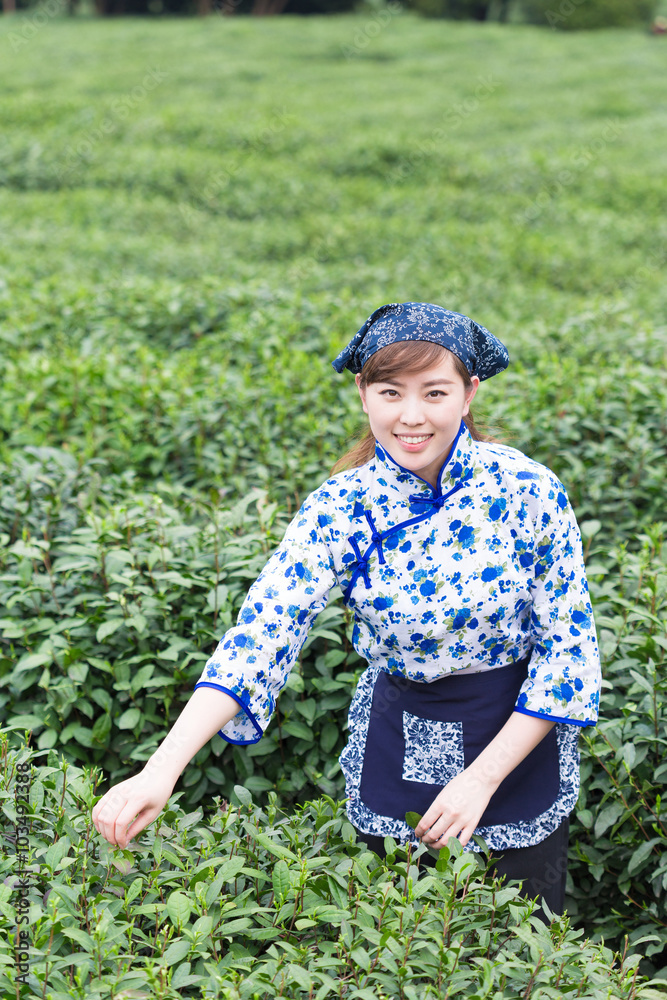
[420,735]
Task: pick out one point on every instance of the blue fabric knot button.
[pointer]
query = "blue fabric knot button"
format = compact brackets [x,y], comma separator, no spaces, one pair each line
[377,540]
[376,537]
[361,566]
[435,502]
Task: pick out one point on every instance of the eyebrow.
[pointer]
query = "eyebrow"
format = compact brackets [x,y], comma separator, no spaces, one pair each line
[401,385]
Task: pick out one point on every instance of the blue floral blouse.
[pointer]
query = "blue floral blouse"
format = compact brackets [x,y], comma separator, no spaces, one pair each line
[475,574]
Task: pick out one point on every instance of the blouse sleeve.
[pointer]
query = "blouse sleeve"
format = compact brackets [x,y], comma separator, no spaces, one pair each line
[253,659]
[564,678]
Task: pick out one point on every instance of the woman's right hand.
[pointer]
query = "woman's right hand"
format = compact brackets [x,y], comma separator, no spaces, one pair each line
[132,804]
[127,808]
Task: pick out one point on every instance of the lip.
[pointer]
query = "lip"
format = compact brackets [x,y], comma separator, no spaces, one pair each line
[419,446]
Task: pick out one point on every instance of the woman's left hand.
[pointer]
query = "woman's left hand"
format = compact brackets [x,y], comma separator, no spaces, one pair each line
[456,810]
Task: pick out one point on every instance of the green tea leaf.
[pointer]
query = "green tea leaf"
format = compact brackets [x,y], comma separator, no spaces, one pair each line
[640,856]
[243,795]
[273,847]
[135,890]
[178,908]
[129,719]
[84,940]
[177,951]
[281,880]
[108,628]
[102,728]
[296,974]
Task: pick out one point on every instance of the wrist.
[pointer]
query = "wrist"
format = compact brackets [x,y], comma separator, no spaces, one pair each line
[168,761]
[486,773]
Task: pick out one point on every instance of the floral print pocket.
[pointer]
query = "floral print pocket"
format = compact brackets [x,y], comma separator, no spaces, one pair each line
[433,750]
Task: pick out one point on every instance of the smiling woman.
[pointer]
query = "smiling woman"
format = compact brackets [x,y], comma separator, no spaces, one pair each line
[462,564]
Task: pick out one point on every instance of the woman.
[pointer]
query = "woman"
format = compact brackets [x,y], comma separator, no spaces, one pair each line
[462,563]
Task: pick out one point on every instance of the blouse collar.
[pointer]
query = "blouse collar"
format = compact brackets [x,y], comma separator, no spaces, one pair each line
[456,470]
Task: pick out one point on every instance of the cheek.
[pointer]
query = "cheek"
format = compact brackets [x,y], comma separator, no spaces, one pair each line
[373,410]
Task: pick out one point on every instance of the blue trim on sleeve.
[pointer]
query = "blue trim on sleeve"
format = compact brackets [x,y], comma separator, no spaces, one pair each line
[236,743]
[554,718]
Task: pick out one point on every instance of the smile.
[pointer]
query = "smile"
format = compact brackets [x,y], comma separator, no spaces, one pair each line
[413,439]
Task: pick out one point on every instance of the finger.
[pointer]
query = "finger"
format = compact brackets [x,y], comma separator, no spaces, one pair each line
[108,815]
[466,834]
[101,815]
[124,819]
[452,829]
[100,824]
[108,830]
[431,816]
[144,819]
[436,831]
[113,797]
[98,807]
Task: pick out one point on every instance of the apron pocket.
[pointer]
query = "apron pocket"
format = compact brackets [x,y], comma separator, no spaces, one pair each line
[433,750]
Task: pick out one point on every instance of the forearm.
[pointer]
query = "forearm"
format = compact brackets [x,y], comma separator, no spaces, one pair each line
[520,734]
[207,711]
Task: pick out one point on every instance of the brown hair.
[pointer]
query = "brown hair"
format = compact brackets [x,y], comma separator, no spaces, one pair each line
[407,358]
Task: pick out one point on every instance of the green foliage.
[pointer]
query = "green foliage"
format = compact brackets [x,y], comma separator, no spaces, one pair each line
[113,602]
[620,876]
[166,380]
[254,904]
[574,15]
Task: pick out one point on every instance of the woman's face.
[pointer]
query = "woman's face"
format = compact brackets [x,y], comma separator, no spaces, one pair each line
[416,418]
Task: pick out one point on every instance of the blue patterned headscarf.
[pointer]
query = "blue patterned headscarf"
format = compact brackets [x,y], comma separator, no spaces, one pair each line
[481,352]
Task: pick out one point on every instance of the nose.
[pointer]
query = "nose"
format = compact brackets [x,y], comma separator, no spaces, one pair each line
[412,412]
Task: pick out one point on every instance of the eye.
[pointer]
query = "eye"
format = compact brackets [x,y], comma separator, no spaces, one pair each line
[437,392]
[389,392]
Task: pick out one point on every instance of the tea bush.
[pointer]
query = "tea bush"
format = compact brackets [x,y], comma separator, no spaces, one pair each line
[109,624]
[620,876]
[255,904]
[108,389]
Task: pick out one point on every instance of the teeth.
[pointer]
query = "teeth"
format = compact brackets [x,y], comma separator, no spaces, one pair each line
[413,439]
